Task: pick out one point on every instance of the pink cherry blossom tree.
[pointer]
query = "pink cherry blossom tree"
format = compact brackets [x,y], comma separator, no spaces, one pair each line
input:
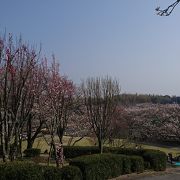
[16,65]
[155,122]
[58,99]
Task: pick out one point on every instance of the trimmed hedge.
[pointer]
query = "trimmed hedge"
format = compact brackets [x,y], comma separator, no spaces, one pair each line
[99,166]
[65,173]
[126,164]
[126,151]
[137,164]
[31,171]
[32,152]
[153,159]
[20,171]
[104,166]
[75,151]
[157,159]
[71,173]
[52,173]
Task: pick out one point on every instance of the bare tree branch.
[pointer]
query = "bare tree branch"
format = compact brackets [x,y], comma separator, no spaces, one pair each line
[168,10]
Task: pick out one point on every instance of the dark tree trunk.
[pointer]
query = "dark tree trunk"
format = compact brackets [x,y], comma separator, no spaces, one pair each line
[20,146]
[31,138]
[29,132]
[100,144]
[30,143]
[60,132]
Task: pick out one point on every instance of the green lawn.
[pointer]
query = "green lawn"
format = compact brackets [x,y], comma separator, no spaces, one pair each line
[42,144]
[87,141]
[174,150]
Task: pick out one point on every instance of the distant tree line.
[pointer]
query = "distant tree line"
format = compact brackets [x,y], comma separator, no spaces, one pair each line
[133,99]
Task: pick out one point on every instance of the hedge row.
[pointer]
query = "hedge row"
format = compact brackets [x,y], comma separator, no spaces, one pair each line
[75,151]
[105,166]
[153,159]
[33,152]
[156,159]
[30,171]
[96,166]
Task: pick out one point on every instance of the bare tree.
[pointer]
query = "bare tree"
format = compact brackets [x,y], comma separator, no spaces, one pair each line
[168,10]
[100,100]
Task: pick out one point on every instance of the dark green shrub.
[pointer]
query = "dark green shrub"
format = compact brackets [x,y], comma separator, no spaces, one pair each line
[65,173]
[32,152]
[137,164]
[147,165]
[52,173]
[75,151]
[153,159]
[126,151]
[20,171]
[126,164]
[31,171]
[71,173]
[101,166]
[157,159]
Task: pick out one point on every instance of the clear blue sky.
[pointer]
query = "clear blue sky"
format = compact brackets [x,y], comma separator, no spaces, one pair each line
[119,38]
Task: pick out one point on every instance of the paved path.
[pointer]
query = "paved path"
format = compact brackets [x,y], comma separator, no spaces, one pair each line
[169,174]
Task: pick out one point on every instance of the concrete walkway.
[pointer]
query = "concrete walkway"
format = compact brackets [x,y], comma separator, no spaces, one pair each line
[169,174]
[163,177]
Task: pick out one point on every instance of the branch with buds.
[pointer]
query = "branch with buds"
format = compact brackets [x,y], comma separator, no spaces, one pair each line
[168,10]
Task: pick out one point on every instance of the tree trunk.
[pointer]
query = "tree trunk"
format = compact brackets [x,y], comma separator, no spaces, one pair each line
[60,132]
[30,143]
[31,137]
[54,147]
[49,157]
[14,148]
[29,132]
[4,143]
[100,144]
[20,146]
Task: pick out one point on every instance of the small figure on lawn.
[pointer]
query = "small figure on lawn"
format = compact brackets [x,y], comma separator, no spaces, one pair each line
[170,157]
[60,154]
[136,147]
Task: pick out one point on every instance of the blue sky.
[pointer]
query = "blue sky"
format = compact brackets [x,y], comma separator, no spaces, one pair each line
[120,38]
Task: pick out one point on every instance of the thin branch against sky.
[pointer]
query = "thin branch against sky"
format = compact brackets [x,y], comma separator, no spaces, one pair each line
[168,10]
[96,38]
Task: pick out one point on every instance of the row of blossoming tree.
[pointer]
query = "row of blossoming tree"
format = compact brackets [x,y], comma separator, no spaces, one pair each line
[35,96]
